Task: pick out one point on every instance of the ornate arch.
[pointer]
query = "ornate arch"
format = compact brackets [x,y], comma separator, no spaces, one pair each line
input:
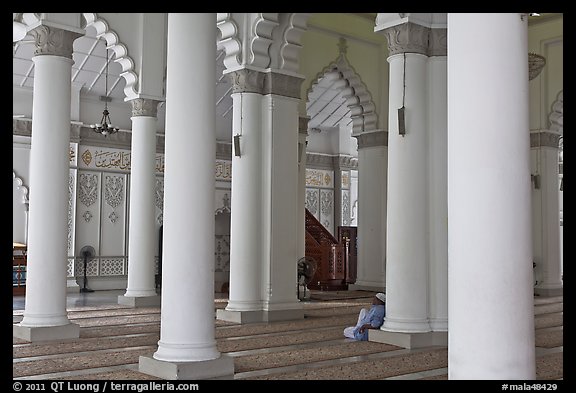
[358,98]
[20,187]
[112,41]
[262,41]
[556,118]
[120,51]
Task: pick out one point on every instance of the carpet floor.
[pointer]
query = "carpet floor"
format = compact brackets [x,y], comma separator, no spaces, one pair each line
[113,337]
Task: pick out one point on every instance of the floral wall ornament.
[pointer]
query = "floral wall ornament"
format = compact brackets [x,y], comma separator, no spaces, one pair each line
[114,187]
[88,189]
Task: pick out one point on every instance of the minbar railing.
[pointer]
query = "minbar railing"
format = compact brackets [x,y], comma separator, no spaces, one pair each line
[335,257]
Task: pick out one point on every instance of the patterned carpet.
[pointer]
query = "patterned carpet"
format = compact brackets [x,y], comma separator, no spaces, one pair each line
[113,337]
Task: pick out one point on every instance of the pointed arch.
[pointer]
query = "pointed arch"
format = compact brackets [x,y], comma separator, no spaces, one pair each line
[356,96]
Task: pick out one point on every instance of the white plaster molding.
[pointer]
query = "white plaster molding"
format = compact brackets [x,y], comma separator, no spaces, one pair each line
[290,48]
[121,53]
[21,187]
[229,41]
[264,25]
[261,41]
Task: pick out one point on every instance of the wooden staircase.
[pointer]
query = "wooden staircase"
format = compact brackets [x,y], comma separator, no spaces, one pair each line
[335,257]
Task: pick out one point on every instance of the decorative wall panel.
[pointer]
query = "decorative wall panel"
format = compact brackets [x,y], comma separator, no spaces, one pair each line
[327,209]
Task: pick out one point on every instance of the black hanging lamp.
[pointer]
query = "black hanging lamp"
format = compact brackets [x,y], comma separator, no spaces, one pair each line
[105,126]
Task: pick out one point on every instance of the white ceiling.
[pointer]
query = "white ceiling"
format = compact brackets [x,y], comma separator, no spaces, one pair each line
[325,105]
[88,70]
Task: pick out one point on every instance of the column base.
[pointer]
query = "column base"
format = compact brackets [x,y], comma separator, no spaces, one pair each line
[140,301]
[220,368]
[366,287]
[259,316]
[72,286]
[46,333]
[409,340]
[549,292]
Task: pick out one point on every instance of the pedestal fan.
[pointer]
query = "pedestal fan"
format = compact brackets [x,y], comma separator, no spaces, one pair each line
[306,269]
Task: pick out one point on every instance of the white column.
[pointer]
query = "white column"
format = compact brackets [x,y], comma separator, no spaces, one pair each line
[372,191]
[302,134]
[280,206]
[263,257]
[187,345]
[437,188]
[246,210]
[490,294]
[141,290]
[45,315]
[407,208]
[546,213]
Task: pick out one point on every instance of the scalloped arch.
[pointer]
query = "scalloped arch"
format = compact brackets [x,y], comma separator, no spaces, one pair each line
[229,41]
[290,48]
[264,25]
[120,51]
[20,187]
[258,49]
[556,118]
[358,98]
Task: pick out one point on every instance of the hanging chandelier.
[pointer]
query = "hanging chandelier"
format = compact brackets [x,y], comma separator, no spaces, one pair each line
[105,126]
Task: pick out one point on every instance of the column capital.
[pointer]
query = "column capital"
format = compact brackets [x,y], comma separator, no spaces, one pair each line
[144,107]
[547,138]
[438,43]
[303,125]
[53,41]
[407,38]
[345,162]
[248,80]
[372,139]
[282,84]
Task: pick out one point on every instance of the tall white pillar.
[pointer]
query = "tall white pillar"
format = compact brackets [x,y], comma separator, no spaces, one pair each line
[416,265]
[45,315]
[372,191]
[187,345]
[263,257]
[246,265]
[546,213]
[302,134]
[407,208]
[490,293]
[280,218]
[438,180]
[141,289]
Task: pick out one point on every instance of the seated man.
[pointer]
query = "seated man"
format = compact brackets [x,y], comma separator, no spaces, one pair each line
[371,318]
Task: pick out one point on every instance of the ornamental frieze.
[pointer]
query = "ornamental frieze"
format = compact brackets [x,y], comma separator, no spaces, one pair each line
[544,138]
[319,178]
